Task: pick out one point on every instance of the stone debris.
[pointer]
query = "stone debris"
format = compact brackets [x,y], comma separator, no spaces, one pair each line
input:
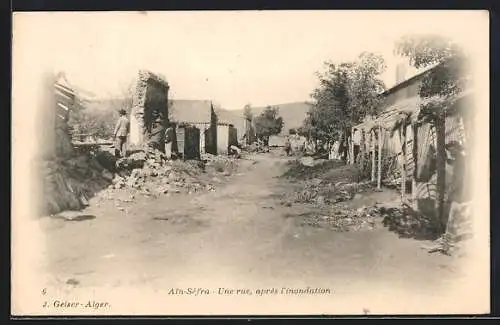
[321,193]
[345,219]
[409,223]
[400,219]
[151,174]
[225,165]
[307,161]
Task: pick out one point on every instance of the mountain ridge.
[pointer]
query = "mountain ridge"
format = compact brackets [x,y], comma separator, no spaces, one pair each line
[293,113]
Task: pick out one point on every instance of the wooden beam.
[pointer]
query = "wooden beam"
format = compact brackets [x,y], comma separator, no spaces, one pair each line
[373,145]
[441,166]
[362,150]
[352,146]
[380,144]
[415,167]
[403,162]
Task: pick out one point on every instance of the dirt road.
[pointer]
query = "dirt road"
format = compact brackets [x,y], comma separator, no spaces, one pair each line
[239,236]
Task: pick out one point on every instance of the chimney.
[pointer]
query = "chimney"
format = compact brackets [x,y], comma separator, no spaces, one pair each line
[400,72]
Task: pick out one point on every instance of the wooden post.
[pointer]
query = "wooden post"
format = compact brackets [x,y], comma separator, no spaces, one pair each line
[368,142]
[373,145]
[362,150]
[441,166]
[380,144]
[352,146]
[415,167]
[403,162]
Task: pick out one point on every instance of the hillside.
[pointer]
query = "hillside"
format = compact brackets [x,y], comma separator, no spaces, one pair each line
[293,113]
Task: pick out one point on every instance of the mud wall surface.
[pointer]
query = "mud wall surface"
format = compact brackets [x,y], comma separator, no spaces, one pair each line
[149,116]
[156,114]
[222,139]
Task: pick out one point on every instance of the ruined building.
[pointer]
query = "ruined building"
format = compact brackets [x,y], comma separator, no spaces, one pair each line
[149,116]
[67,178]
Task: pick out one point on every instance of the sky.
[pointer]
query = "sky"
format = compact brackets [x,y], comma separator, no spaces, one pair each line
[232,58]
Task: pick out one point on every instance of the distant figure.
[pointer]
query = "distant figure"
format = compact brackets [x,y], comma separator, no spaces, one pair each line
[234,151]
[288,146]
[121,132]
[334,151]
[169,140]
[356,139]
[343,148]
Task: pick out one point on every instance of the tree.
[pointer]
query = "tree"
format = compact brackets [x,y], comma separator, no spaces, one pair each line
[95,120]
[347,92]
[249,129]
[98,118]
[268,123]
[365,87]
[441,85]
[449,78]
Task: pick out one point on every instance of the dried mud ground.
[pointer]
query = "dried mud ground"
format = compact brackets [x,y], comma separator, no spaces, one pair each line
[239,236]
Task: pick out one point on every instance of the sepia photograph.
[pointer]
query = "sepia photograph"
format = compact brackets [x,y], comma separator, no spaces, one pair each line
[250,163]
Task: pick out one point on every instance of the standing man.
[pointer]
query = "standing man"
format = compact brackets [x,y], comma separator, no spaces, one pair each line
[169,139]
[356,139]
[121,132]
[288,145]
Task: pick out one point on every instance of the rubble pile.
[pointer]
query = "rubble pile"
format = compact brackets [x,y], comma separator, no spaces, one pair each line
[151,173]
[322,192]
[220,164]
[344,219]
[329,170]
[409,223]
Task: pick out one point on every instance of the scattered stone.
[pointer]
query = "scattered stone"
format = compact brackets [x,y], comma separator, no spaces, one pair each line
[316,181]
[307,161]
[320,200]
[151,174]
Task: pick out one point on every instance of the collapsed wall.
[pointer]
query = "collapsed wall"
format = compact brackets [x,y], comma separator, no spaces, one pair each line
[68,179]
[149,116]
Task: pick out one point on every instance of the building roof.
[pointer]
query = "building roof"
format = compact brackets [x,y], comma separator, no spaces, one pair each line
[227,117]
[190,111]
[409,107]
[412,79]
[405,107]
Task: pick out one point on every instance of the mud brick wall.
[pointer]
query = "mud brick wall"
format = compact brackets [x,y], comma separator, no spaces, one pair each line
[233,136]
[222,139]
[149,118]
